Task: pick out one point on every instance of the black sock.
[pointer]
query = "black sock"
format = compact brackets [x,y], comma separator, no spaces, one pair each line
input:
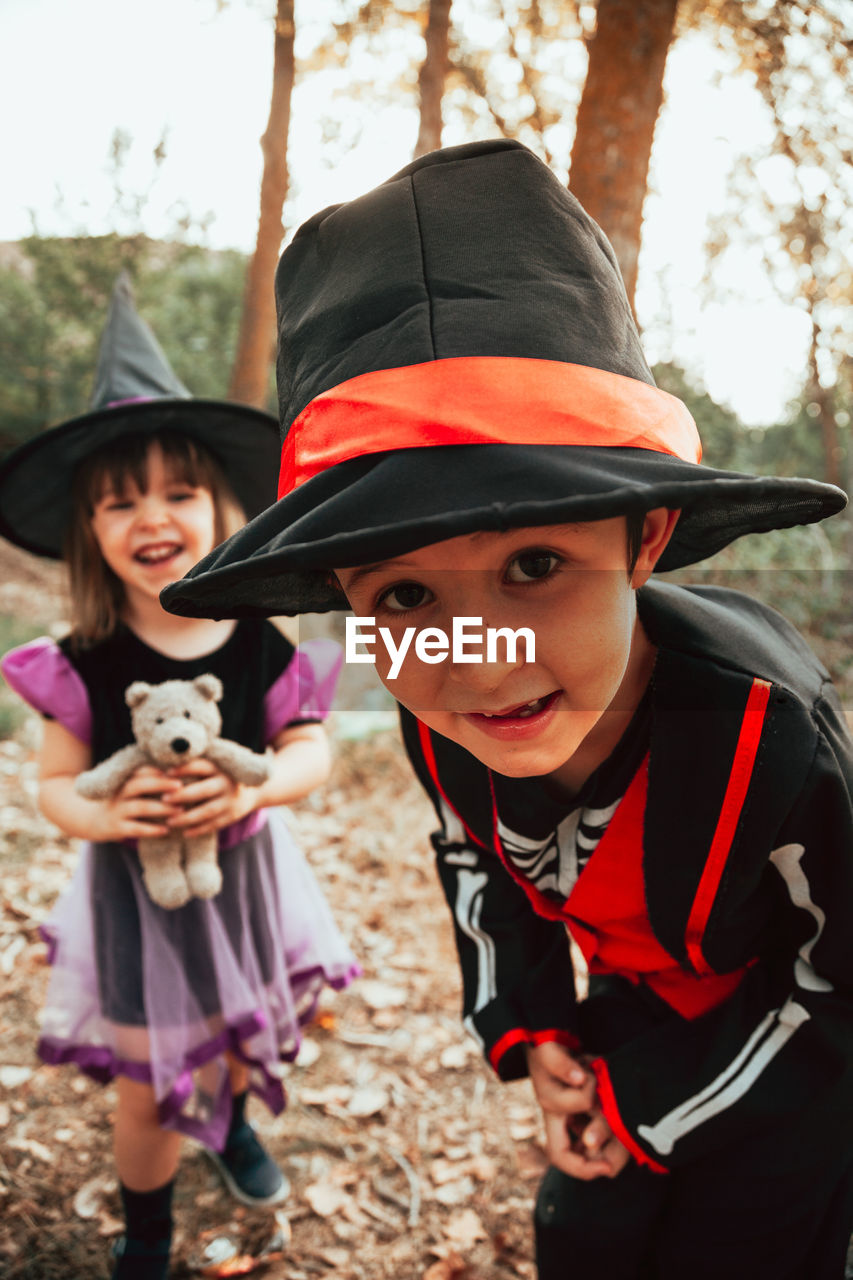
[238,1114]
[148,1214]
[148,1228]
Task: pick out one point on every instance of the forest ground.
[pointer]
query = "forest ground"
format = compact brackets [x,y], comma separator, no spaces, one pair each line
[406,1158]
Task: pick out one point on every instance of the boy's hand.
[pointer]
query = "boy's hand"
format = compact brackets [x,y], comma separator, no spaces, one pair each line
[597,1142]
[579,1140]
[208,799]
[562,1084]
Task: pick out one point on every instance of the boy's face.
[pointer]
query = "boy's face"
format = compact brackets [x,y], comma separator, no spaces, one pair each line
[570,585]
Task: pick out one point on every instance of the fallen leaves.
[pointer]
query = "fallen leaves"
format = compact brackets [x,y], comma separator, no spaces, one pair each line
[453,1267]
[326,1199]
[88,1201]
[465,1228]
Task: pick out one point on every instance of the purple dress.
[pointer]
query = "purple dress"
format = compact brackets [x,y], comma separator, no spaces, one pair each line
[159,995]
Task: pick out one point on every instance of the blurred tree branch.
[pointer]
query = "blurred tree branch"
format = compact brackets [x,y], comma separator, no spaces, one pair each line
[432,76]
[257,337]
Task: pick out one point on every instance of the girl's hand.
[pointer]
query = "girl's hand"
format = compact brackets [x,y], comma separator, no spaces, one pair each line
[577,1137]
[141,807]
[208,799]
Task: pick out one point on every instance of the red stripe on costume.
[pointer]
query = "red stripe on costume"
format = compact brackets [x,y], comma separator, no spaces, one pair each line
[519,1035]
[429,760]
[607,1098]
[483,400]
[733,801]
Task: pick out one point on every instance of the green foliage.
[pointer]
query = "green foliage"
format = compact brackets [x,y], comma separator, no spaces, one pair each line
[13,713]
[793,447]
[726,442]
[54,295]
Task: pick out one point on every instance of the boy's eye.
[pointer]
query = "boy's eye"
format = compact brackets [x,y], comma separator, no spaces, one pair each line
[406,595]
[531,566]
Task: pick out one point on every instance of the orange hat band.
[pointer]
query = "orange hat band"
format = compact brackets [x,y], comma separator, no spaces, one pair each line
[483,400]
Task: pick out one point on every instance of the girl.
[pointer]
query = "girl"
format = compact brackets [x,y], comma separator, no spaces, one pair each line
[472,435]
[187,1010]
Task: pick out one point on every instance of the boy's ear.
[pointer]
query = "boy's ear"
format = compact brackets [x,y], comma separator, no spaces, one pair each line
[657,530]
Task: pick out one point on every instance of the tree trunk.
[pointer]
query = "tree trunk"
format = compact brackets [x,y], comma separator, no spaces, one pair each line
[824,399]
[432,76]
[616,120]
[256,341]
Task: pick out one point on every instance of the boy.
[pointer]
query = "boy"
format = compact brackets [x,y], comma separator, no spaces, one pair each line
[471,433]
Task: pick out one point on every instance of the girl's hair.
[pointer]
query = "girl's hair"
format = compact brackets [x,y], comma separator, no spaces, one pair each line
[97,594]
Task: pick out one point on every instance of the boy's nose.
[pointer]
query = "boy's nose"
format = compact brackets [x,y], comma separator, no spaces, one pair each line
[486,677]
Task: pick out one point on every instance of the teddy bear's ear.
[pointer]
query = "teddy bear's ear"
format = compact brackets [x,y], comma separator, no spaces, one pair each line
[210,686]
[136,693]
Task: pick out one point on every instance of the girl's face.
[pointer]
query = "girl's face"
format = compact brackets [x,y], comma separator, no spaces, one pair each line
[150,537]
[570,585]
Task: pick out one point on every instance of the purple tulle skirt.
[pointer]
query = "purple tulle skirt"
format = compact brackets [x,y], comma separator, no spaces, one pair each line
[160,996]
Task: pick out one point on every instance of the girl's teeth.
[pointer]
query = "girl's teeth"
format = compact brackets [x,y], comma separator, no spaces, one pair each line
[152,557]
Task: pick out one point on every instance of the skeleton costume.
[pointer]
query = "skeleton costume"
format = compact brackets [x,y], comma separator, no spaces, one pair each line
[457,354]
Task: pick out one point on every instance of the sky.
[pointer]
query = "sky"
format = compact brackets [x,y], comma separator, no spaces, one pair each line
[72,72]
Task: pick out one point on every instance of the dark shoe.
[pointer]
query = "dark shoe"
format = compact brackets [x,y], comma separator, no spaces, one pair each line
[248,1171]
[140,1260]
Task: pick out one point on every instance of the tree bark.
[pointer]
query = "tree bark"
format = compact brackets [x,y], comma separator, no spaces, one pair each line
[824,398]
[432,76]
[257,337]
[616,120]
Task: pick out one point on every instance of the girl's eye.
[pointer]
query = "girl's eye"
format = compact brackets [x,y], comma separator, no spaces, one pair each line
[531,566]
[405,596]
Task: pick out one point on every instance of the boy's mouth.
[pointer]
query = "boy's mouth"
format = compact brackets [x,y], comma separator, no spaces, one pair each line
[157,553]
[521,711]
[518,721]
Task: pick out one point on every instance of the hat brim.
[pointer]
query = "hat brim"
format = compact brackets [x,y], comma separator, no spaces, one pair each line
[383,505]
[35,480]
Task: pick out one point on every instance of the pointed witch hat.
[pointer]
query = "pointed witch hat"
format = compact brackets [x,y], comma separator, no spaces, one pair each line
[136,392]
[457,353]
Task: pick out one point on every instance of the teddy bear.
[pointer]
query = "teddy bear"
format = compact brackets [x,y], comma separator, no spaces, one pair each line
[174,722]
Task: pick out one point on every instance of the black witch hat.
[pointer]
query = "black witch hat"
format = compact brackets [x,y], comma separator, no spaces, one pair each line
[136,391]
[457,353]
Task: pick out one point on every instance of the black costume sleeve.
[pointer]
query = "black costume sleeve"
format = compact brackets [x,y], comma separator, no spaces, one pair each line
[783,1043]
[517,976]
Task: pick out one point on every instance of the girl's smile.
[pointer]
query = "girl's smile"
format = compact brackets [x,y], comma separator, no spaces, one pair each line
[149,538]
[573,587]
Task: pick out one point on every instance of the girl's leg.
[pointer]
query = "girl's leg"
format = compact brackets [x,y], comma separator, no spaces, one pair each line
[247,1168]
[599,1229]
[238,1074]
[146,1155]
[146,1160]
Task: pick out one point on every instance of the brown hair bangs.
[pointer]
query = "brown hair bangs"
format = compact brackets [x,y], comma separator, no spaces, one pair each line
[97,595]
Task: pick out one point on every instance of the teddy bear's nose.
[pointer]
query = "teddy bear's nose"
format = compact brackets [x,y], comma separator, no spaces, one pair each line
[179,745]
